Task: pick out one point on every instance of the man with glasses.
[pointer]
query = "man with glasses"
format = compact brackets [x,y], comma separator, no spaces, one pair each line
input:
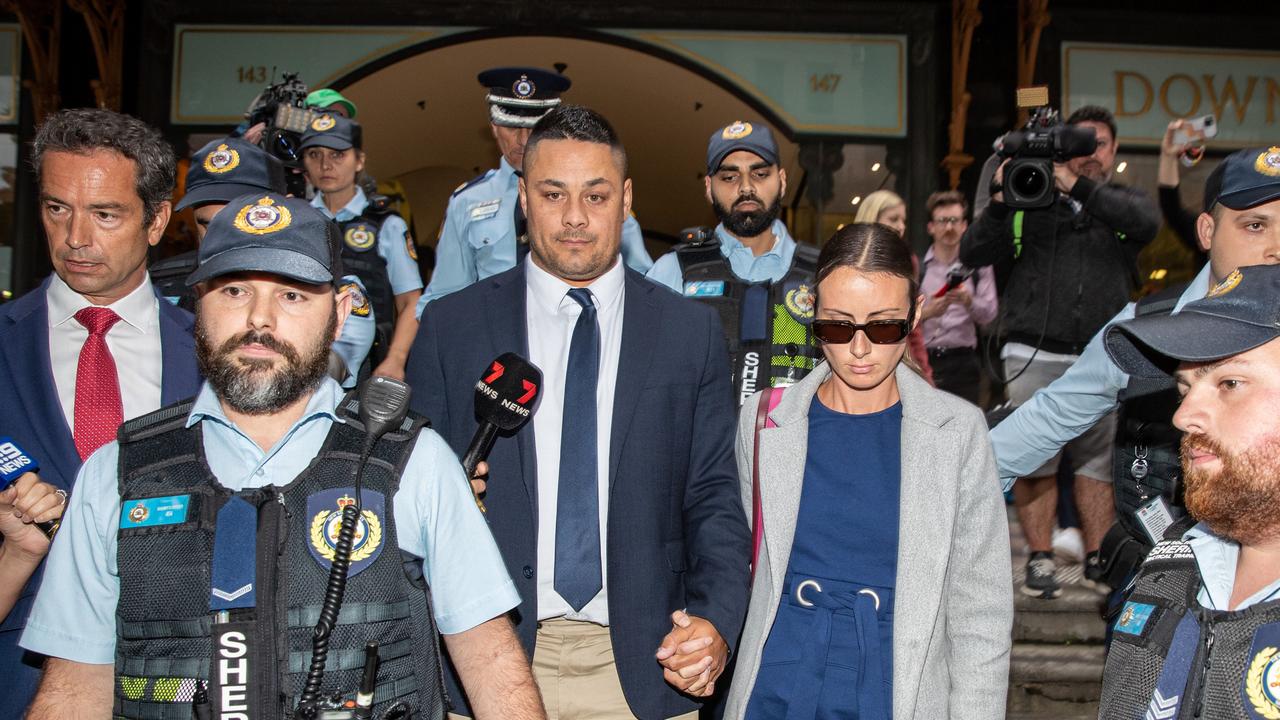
[957,300]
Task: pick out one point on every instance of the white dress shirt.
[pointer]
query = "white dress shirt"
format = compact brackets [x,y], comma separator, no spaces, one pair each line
[134,343]
[550,318]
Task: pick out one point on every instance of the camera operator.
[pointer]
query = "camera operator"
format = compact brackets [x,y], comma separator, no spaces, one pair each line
[1071,266]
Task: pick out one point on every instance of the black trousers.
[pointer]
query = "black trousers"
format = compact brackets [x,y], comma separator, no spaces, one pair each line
[957,371]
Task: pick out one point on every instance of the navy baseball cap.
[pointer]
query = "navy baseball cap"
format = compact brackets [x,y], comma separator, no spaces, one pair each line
[227,168]
[1239,314]
[271,233]
[1244,179]
[739,135]
[331,131]
[520,96]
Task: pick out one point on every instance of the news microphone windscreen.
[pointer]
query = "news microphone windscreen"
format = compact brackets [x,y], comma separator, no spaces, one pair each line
[13,462]
[506,392]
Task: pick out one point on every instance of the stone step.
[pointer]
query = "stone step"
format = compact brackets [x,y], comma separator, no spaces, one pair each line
[1056,681]
[1073,617]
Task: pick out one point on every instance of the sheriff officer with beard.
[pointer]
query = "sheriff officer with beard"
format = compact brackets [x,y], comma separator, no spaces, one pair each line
[196,550]
[749,269]
[1200,630]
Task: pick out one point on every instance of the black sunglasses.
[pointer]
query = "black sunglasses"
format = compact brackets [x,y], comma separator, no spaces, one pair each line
[880,332]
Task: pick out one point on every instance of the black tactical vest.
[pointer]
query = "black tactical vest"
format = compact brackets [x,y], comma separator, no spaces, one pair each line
[1146,464]
[166,635]
[1231,659]
[788,352]
[360,258]
[169,276]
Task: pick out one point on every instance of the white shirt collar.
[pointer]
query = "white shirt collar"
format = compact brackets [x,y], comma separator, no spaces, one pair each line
[550,292]
[730,244]
[138,308]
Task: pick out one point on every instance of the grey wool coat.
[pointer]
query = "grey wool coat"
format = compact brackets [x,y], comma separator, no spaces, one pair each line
[954,597]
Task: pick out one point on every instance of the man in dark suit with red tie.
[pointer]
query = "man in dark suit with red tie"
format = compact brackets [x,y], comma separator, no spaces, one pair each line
[616,508]
[95,344]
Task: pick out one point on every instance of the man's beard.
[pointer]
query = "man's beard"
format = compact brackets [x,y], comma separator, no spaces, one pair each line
[251,386]
[1238,501]
[748,224]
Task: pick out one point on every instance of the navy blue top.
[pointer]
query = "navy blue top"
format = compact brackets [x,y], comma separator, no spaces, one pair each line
[829,653]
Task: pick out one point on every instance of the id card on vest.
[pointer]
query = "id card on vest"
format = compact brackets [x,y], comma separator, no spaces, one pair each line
[230,682]
[1155,518]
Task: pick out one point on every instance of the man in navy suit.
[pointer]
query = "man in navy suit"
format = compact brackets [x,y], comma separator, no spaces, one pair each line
[95,344]
[616,508]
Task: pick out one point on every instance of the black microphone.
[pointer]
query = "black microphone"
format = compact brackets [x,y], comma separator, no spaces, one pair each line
[14,463]
[505,396]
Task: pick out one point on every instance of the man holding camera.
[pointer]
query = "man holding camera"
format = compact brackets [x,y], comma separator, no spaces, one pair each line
[957,300]
[1070,266]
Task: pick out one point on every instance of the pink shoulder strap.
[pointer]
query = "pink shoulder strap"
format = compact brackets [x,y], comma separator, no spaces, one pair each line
[769,400]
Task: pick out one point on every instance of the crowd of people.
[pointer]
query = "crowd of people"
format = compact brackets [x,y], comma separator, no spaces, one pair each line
[751,479]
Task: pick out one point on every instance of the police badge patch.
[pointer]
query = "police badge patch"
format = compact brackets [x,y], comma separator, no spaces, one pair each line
[263,217]
[323,123]
[523,88]
[1268,163]
[359,302]
[325,510]
[801,301]
[1260,690]
[737,130]
[410,246]
[360,237]
[224,159]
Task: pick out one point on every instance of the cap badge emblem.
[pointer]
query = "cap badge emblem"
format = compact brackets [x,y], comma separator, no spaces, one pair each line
[1268,163]
[224,159]
[1228,284]
[263,217]
[323,123]
[737,130]
[523,88]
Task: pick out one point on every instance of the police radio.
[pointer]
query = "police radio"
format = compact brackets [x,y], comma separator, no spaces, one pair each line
[384,404]
[14,463]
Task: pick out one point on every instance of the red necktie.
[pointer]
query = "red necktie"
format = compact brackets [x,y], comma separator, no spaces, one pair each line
[98,409]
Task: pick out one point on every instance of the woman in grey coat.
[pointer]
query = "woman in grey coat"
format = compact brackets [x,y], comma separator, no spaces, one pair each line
[882,584]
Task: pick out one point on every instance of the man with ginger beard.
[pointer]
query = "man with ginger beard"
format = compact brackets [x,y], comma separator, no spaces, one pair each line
[1201,625]
[749,268]
[198,549]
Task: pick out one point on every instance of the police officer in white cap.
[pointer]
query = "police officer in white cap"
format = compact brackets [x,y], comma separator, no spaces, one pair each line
[484,226]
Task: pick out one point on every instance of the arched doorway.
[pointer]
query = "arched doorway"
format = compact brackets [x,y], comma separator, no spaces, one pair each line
[426,125]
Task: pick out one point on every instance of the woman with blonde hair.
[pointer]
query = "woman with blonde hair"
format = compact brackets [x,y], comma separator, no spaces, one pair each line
[887,208]
[882,584]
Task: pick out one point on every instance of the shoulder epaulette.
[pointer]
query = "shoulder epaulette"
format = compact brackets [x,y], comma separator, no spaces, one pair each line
[473,181]
[153,423]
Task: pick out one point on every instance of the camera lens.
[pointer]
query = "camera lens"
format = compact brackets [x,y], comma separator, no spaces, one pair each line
[1028,181]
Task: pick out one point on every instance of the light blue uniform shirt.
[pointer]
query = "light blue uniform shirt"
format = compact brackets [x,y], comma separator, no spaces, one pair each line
[478,239]
[436,519]
[1070,405]
[769,267]
[393,242]
[1216,558]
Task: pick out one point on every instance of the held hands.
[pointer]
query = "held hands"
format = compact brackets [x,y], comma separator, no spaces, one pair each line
[933,307]
[960,294]
[1169,146]
[480,482]
[692,655]
[26,502]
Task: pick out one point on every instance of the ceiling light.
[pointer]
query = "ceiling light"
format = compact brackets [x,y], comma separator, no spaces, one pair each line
[875,167]
[1122,167]
[856,199]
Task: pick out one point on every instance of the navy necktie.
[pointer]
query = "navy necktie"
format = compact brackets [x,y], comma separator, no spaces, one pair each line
[577,575]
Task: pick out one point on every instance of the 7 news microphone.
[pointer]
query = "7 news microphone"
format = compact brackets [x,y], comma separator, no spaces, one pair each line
[14,463]
[505,397]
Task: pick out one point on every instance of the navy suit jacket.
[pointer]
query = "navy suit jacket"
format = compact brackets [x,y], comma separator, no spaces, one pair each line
[677,533]
[33,417]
